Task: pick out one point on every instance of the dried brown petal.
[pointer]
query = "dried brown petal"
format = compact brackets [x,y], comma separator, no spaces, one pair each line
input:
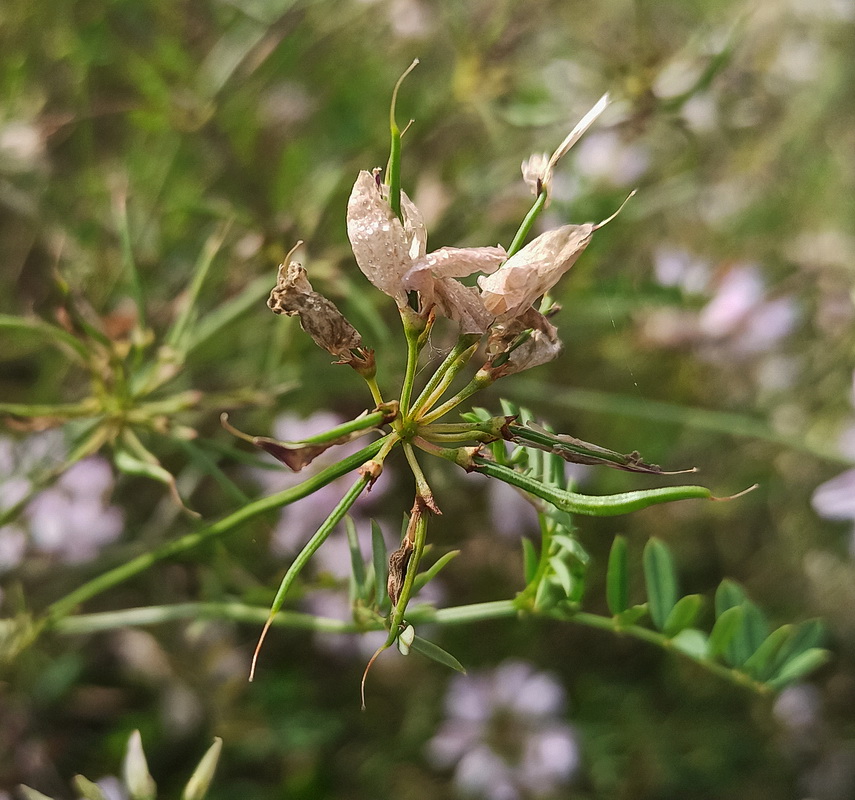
[398,563]
[534,270]
[319,317]
[380,244]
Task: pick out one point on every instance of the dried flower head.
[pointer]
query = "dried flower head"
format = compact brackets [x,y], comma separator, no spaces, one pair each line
[293,295]
[393,255]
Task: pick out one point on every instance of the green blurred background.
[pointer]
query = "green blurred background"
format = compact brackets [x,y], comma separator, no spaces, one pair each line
[711,324]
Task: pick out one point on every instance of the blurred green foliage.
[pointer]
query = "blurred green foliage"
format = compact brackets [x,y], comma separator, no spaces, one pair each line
[736,122]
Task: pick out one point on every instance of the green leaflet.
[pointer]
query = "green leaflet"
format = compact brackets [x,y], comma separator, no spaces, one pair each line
[661,581]
[617,577]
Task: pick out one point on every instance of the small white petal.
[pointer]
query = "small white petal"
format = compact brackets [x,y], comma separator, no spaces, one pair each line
[534,170]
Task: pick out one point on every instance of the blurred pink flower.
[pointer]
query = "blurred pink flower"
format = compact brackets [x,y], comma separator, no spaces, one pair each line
[504,734]
[739,319]
[72,519]
[835,499]
[297,522]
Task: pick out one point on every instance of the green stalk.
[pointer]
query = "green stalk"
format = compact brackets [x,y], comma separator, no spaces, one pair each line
[309,549]
[85,408]
[527,224]
[393,168]
[423,489]
[653,637]
[412,335]
[82,624]
[481,380]
[419,535]
[57,336]
[228,524]
[463,344]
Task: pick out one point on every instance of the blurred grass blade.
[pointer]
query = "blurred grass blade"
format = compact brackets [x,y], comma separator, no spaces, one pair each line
[131,457]
[200,780]
[661,581]
[357,565]
[380,561]
[120,212]
[178,336]
[617,577]
[424,578]
[435,652]
[226,313]
[530,560]
[54,334]
[88,790]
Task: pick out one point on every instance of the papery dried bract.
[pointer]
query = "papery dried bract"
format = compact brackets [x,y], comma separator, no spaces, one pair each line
[433,276]
[534,270]
[380,244]
[525,342]
[319,317]
[392,255]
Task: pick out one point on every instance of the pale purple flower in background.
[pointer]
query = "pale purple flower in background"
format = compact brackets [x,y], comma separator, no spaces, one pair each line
[835,500]
[678,268]
[739,319]
[72,519]
[299,521]
[798,707]
[604,156]
[740,291]
[112,788]
[13,544]
[504,734]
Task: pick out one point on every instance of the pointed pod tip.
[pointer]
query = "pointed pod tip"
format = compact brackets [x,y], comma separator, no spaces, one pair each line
[738,494]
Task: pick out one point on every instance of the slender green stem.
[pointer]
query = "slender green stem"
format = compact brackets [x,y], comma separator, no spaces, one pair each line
[178,335]
[428,397]
[423,489]
[419,537]
[393,169]
[228,524]
[56,335]
[375,390]
[237,612]
[652,637]
[85,408]
[480,381]
[527,224]
[311,547]
[412,363]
